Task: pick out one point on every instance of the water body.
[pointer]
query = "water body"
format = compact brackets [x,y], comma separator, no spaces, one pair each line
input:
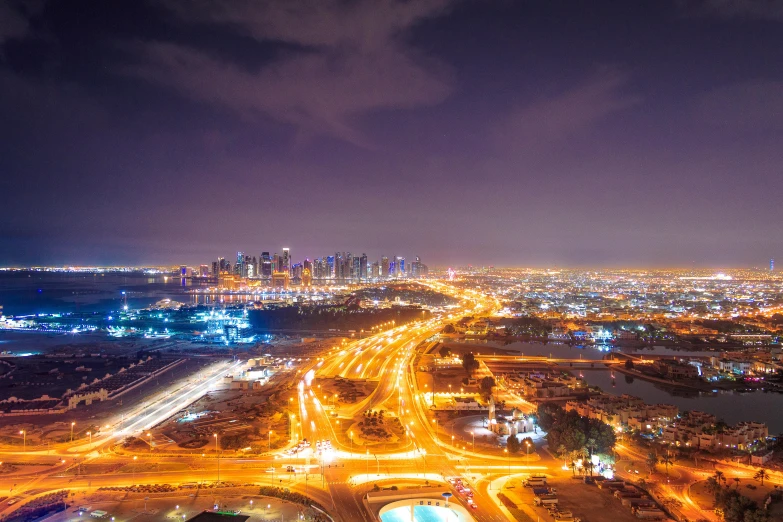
[733,407]
[26,293]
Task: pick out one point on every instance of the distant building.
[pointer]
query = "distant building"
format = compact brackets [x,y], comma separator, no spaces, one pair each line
[280,280]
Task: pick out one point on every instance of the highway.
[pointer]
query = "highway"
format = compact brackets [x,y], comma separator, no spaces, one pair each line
[336,478]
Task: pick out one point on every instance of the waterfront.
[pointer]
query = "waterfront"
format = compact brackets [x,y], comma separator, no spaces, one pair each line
[731,406]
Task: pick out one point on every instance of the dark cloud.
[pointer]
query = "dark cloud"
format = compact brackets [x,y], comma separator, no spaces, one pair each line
[548,121]
[355,61]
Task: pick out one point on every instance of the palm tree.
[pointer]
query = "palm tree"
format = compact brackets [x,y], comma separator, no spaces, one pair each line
[562,453]
[719,477]
[652,461]
[737,480]
[667,461]
[761,475]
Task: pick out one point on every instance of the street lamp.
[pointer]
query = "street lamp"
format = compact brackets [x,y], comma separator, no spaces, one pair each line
[90,434]
[134,470]
[218,456]
[23,433]
[473,434]
[509,460]
[149,436]
[72,425]
[270,440]
[527,445]
[351,442]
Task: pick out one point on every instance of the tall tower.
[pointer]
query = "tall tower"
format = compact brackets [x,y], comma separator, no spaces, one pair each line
[363,267]
[771,265]
[286,261]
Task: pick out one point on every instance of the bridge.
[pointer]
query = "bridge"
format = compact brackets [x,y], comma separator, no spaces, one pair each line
[542,359]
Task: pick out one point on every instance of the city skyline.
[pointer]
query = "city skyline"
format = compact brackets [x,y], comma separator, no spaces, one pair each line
[508,133]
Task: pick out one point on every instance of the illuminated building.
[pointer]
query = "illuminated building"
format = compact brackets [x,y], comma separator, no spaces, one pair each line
[239,268]
[228,281]
[384,267]
[356,268]
[266,265]
[281,280]
[307,278]
[363,267]
[204,270]
[286,266]
[296,271]
[330,266]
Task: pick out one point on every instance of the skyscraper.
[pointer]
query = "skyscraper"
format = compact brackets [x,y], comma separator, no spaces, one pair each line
[363,267]
[384,268]
[266,265]
[330,266]
[239,268]
[286,260]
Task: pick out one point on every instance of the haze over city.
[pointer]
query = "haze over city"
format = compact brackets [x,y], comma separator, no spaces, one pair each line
[492,133]
[391,261]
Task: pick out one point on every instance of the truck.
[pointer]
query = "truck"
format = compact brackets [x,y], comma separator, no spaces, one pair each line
[536,481]
[545,500]
[638,502]
[543,491]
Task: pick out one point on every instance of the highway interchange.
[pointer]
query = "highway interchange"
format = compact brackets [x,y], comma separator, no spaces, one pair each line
[337,478]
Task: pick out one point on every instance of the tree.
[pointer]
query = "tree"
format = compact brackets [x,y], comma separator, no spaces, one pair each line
[719,477]
[666,460]
[629,364]
[761,475]
[737,481]
[444,351]
[470,363]
[652,461]
[512,444]
[486,384]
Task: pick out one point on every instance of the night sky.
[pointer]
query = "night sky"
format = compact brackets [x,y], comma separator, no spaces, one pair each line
[513,133]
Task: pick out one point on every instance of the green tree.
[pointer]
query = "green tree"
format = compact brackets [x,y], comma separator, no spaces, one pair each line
[470,363]
[652,461]
[444,351]
[486,385]
[761,475]
[666,460]
[512,444]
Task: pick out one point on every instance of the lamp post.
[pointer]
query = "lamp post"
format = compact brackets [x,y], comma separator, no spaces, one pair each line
[527,457]
[218,456]
[270,440]
[351,442]
[72,425]
[90,434]
[509,460]
[149,442]
[473,434]
[23,433]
